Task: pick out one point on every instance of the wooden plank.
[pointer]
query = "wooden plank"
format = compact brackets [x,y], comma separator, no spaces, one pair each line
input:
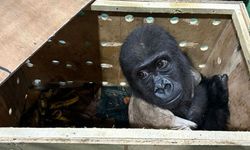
[78,57]
[110,42]
[13,97]
[62,146]
[122,136]
[191,34]
[245,15]
[222,51]
[164,7]
[28,26]
[239,104]
[243,35]
[112,33]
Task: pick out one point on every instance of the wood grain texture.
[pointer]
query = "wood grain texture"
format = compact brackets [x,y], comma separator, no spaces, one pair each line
[224,48]
[81,45]
[164,7]
[243,35]
[115,30]
[62,146]
[13,99]
[239,104]
[26,25]
[123,136]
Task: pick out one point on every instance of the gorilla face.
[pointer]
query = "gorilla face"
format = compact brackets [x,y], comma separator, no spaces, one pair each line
[159,79]
[155,68]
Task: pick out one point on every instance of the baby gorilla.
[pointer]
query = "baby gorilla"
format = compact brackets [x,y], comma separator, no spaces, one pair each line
[161,75]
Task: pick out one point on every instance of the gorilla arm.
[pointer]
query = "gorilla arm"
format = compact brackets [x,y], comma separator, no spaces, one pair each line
[144,115]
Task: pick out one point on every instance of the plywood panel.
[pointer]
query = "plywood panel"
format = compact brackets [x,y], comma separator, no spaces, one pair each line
[165,7]
[13,99]
[198,35]
[76,47]
[223,50]
[26,25]
[112,32]
[239,104]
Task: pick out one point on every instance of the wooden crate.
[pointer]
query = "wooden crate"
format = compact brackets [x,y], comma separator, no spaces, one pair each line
[214,35]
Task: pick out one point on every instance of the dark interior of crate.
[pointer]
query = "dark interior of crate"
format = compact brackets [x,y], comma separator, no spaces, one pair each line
[74,80]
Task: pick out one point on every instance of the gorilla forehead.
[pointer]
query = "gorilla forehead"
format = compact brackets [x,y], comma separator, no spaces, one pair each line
[144,42]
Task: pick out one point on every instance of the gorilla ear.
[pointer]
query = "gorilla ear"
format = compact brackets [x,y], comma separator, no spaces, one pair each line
[196,77]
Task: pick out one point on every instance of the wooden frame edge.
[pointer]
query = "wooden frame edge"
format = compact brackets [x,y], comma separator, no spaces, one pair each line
[123,136]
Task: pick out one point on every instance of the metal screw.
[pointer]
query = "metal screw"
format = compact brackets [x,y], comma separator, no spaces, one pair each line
[129,18]
[105,83]
[204,48]
[68,66]
[55,62]
[62,42]
[194,21]
[29,64]
[123,83]
[216,22]
[89,62]
[149,20]
[202,65]
[104,16]
[10,111]
[37,82]
[219,60]
[183,43]
[104,65]
[70,82]
[17,80]
[174,20]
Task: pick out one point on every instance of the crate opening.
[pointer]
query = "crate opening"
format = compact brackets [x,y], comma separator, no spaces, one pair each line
[75,80]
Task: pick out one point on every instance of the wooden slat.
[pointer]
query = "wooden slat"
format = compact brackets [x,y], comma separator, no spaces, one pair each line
[123,136]
[114,30]
[26,25]
[62,146]
[245,14]
[239,103]
[205,33]
[164,7]
[243,35]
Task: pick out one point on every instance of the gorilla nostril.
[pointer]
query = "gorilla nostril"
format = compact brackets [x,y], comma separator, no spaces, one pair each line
[168,86]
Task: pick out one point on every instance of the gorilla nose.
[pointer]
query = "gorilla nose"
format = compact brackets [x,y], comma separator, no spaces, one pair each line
[162,83]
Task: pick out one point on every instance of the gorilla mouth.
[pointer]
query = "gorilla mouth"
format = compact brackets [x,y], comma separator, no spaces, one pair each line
[175,98]
[163,94]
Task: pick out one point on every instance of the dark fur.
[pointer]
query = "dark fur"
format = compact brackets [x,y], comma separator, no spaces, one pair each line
[139,53]
[217,108]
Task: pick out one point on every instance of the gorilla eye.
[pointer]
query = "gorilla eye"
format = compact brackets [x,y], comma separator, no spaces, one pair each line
[142,74]
[161,63]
